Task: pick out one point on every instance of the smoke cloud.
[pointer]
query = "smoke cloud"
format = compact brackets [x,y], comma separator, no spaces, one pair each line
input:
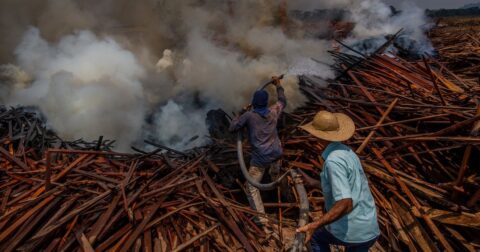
[85,85]
[374,19]
[152,69]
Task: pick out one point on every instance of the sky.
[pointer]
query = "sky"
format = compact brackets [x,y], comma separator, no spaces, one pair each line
[438,4]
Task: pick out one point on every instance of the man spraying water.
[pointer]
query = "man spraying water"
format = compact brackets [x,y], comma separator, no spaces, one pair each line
[261,123]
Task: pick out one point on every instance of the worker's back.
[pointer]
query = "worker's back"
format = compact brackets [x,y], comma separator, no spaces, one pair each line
[343,177]
[263,136]
[262,130]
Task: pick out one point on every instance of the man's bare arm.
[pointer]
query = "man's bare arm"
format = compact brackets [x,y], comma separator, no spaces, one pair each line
[309,181]
[280,91]
[339,209]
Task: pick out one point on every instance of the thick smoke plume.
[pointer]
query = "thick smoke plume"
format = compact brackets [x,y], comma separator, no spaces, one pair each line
[374,19]
[86,86]
[130,70]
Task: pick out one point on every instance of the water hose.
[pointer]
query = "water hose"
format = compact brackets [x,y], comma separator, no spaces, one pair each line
[298,243]
[243,168]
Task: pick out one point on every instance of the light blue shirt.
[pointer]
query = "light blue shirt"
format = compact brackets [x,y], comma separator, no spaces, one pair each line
[342,178]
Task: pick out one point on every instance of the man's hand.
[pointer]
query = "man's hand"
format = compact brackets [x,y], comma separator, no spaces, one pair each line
[246,108]
[309,181]
[308,229]
[339,209]
[276,80]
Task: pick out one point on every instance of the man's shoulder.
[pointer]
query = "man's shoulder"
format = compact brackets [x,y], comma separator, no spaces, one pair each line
[340,154]
[339,150]
[248,114]
[340,158]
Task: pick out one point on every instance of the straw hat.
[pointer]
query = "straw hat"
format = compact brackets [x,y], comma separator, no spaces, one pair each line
[331,126]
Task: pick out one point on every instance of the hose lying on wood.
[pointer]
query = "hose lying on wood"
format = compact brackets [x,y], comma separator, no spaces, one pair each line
[298,243]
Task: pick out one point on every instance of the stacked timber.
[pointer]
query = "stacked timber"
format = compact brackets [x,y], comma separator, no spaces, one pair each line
[459,47]
[76,197]
[417,136]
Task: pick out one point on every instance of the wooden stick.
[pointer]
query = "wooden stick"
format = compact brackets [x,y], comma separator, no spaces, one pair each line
[367,139]
[197,237]
[403,121]
[415,202]
[434,81]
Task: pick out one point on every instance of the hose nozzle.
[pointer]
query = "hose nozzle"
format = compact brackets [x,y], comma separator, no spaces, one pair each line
[280,77]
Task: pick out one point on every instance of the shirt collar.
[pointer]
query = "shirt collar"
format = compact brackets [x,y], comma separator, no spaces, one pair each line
[262,111]
[331,147]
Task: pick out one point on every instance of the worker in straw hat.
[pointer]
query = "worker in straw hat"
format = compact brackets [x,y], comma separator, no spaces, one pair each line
[351,218]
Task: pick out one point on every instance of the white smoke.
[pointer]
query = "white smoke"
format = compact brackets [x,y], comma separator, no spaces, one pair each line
[85,85]
[374,19]
[177,125]
[309,5]
[193,56]
[223,69]
[12,78]
[226,56]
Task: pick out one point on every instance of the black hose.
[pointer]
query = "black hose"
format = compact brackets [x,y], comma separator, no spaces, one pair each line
[298,243]
[243,168]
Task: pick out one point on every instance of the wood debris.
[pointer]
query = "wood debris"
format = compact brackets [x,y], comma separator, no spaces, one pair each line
[417,135]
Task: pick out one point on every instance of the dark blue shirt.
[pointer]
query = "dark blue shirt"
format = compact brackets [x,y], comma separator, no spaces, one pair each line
[262,132]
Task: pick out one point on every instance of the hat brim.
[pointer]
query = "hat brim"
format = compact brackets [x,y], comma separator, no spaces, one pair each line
[345,131]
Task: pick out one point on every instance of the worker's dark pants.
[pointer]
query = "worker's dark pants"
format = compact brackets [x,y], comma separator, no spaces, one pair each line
[322,239]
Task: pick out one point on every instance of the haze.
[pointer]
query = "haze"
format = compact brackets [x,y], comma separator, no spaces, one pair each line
[436,4]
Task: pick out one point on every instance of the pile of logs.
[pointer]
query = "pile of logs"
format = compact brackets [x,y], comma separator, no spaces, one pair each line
[97,200]
[23,129]
[459,47]
[417,135]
